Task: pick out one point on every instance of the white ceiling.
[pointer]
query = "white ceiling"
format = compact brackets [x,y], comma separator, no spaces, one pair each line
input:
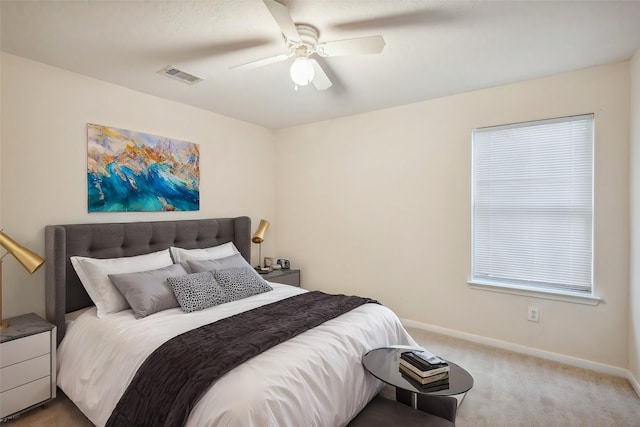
[433,48]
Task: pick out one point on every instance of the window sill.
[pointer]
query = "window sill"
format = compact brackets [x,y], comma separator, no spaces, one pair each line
[566,296]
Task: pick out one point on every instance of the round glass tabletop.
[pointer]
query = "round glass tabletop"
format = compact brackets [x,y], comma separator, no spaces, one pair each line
[383,363]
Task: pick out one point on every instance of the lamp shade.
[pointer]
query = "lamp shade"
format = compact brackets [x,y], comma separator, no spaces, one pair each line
[28,259]
[258,236]
[301,71]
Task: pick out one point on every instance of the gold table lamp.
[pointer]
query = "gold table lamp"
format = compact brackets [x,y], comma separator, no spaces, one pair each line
[29,260]
[258,237]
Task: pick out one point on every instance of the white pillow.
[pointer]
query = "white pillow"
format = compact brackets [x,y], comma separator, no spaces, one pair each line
[181,256]
[202,265]
[94,275]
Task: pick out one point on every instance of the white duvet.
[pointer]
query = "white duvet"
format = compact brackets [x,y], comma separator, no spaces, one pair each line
[314,379]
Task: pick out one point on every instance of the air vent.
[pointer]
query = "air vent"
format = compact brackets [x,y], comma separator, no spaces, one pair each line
[183,76]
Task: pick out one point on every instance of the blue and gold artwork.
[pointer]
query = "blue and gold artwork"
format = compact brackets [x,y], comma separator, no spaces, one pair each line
[137,172]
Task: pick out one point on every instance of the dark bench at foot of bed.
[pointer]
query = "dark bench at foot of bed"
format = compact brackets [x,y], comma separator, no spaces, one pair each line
[381,412]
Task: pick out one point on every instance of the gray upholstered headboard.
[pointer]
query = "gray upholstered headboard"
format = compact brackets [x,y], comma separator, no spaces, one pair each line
[64,291]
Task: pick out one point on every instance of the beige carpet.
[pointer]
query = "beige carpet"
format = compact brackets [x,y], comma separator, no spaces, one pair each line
[510,390]
[515,390]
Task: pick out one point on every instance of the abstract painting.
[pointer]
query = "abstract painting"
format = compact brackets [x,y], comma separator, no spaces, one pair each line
[137,172]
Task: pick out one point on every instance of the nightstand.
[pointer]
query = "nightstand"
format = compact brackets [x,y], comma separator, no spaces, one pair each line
[286,277]
[27,364]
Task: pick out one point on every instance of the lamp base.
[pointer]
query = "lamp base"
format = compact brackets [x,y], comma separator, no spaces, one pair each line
[4,324]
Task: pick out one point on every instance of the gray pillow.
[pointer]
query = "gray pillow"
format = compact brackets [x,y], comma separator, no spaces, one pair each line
[147,292]
[197,291]
[241,282]
[202,265]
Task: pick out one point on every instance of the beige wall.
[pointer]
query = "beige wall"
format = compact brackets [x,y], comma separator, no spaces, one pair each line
[1,96]
[378,204]
[375,204]
[634,322]
[45,112]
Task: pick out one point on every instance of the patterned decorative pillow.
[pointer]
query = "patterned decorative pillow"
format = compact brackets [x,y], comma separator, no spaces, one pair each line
[197,291]
[241,282]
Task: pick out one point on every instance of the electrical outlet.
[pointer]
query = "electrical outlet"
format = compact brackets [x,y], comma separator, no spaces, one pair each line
[533,314]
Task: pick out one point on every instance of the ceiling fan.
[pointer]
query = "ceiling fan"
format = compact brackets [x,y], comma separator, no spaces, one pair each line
[301,41]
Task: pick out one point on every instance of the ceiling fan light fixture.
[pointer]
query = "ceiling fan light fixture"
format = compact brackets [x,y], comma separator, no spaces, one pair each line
[302,71]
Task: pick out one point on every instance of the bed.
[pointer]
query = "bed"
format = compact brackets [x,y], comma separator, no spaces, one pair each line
[312,379]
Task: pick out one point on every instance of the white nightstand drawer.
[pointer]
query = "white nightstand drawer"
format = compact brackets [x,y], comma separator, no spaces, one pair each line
[25,372]
[27,364]
[24,396]
[16,351]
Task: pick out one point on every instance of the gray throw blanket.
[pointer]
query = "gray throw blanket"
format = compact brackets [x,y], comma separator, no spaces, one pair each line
[172,379]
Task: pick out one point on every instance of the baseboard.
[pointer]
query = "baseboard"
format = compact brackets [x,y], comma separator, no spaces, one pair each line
[634,383]
[530,351]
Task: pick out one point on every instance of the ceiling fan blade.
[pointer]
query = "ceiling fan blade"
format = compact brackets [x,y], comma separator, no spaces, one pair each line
[262,62]
[320,79]
[283,18]
[364,45]
[420,17]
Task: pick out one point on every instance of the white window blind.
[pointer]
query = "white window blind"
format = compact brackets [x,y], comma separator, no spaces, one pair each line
[533,204]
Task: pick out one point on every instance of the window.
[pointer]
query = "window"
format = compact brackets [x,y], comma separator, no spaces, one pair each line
[533,205]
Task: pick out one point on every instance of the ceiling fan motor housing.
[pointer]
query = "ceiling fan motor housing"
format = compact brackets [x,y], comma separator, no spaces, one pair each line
[308,40]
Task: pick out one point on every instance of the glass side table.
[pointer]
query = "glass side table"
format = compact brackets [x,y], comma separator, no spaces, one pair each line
[383,363]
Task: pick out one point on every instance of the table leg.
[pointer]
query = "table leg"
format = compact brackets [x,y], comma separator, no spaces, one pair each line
[407,397]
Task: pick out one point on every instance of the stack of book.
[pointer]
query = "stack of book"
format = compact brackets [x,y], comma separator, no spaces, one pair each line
[424,370]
